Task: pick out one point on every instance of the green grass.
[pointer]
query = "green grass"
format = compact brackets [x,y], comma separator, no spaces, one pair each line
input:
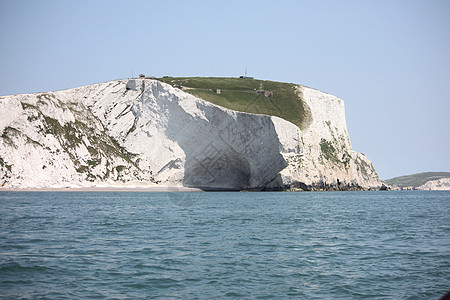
[240,94]
[328,150]
[416,180]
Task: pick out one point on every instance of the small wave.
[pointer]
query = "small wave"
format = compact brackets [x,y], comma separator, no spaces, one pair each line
[15,267]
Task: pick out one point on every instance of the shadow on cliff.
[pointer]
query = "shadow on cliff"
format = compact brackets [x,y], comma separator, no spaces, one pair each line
[224,150]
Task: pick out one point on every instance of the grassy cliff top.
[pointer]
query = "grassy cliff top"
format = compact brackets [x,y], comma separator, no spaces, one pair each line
[416,180]
[248,95]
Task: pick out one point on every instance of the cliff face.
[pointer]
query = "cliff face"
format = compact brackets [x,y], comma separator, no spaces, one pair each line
[442,184]
[146,132]
[322,156]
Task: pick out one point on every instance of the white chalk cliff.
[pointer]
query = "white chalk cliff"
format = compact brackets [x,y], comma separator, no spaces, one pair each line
[442,184]
[148,133]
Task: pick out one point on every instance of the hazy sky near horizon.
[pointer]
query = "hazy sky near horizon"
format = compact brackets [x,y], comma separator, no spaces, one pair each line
[388,60]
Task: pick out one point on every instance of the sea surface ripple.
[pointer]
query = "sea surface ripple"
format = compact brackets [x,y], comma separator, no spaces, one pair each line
[126,245]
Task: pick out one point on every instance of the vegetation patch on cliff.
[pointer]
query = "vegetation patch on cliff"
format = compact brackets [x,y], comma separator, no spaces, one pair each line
[329,151]
[248,95]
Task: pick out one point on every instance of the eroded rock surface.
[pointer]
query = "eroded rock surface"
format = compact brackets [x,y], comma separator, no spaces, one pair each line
[145,132]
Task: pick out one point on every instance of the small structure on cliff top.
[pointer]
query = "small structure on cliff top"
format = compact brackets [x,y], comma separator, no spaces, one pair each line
[245,76]
[264,93]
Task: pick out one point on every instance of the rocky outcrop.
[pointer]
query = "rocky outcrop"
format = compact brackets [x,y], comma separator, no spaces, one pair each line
[320,156]
[145,132]
[442,184]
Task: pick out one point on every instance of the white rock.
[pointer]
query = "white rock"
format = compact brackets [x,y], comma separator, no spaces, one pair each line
[147,132]
[442,184]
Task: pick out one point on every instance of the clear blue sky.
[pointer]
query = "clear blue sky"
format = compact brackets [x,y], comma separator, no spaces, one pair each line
[388,60]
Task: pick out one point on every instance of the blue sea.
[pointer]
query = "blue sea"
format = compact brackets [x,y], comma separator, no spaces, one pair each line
[225,245]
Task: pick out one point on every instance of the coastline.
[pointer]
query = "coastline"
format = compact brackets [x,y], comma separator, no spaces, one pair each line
[106,189]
